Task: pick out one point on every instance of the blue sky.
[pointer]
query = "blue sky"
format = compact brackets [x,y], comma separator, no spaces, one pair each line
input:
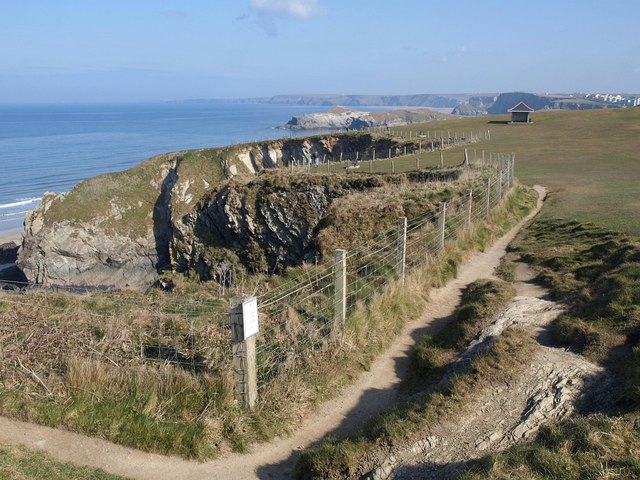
[145,50]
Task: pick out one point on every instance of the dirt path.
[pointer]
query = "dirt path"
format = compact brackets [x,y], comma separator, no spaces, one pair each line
[373,392]
[548,389]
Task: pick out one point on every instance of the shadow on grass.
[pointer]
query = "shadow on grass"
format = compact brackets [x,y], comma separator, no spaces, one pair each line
[371,403]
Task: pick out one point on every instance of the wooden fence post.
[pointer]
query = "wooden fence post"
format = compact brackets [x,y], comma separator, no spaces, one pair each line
[469,206]
[499,185]
[401,245]
[244,326]
[441,159]
[512,172]
[340,288]
[442,218]
[487,196]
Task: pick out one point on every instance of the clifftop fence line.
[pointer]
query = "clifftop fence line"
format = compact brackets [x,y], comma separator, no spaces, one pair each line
[299,321]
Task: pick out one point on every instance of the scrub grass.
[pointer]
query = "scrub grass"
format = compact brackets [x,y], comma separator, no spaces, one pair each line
[481,301]
[17,463]
[585,448]
[357,454]
[183,403]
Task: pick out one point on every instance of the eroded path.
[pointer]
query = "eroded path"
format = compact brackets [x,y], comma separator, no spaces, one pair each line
[373,392]
[548,389]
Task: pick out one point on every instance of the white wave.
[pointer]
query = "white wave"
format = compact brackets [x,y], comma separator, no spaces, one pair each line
[21,202]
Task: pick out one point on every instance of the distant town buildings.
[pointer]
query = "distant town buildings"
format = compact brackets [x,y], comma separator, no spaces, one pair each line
[617,99]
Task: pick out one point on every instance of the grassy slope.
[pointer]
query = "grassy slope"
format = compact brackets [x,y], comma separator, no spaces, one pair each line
[135,192]
[583,157]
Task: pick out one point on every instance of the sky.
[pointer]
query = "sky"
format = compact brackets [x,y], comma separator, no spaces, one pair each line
[156,50]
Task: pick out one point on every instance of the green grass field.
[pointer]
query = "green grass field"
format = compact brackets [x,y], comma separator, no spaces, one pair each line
[589,160]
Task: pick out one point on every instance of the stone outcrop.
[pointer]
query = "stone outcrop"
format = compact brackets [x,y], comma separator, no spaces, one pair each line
[73,254]
[475,106]
[263,225]
[340,118]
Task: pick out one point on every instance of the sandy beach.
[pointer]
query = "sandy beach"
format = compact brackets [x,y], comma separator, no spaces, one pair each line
[11,236]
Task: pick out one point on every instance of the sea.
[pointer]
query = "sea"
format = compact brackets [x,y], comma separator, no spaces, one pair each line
[51,148]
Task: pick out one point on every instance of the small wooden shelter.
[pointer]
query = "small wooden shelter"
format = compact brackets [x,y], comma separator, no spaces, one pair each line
[521,113]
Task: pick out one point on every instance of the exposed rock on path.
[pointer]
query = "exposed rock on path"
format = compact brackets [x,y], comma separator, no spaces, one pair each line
[547,390]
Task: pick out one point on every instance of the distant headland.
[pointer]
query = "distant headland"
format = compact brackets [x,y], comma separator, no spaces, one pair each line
[467,104]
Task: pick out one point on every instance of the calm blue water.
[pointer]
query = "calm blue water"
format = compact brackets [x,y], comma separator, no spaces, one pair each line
[50,148]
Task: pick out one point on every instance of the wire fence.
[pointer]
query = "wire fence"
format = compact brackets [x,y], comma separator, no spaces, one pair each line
[381,155]
[299,319]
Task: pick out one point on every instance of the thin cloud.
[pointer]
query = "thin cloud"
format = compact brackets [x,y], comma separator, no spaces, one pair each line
[288,8]
[268,12]
[461,51]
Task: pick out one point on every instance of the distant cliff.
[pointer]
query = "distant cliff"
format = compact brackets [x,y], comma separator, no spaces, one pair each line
[475,106]
[419,100]
[341,118]
[485,105]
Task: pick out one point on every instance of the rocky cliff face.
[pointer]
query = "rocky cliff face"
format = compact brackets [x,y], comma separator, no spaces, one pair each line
[94,251]
[200,211]
[263,225]
[475,106]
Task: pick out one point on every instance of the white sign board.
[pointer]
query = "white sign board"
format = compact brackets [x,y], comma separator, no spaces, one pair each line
[250,317]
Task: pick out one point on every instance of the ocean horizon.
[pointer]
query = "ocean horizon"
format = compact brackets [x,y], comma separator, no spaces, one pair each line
[53,147]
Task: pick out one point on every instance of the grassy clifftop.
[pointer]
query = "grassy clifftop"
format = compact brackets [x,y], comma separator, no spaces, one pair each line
[587,159]
[124,201]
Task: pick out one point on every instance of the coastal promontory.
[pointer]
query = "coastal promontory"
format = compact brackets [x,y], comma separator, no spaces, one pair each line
[340,118]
